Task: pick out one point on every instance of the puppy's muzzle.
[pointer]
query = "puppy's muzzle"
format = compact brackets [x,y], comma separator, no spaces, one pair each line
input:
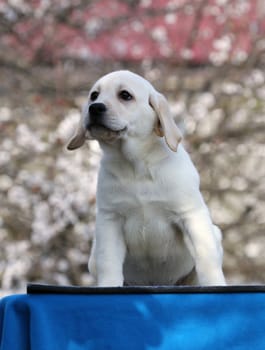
[101,125]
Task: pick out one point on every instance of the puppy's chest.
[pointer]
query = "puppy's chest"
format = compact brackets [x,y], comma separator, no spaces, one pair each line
[144,206]
[143,196]
[147,218]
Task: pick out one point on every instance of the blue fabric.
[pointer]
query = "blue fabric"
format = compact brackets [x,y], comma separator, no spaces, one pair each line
[133,322]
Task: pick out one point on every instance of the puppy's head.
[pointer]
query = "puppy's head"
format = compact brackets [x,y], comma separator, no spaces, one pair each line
[123,104]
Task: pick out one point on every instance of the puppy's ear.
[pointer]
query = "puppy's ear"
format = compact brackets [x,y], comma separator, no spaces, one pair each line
[165,125]
[81,134]
[78,138]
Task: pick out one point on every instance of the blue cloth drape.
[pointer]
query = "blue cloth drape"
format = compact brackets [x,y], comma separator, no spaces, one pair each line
[188,321]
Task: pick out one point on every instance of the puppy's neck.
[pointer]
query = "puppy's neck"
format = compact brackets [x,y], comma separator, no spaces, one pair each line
[140,153]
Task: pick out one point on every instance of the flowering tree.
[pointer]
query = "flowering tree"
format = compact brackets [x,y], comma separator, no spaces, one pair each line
[206,56]
[198,31]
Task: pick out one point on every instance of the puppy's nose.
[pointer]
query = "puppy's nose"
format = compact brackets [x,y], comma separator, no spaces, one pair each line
[97,109]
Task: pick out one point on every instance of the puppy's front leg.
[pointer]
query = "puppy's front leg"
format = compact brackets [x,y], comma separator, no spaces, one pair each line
[204,245]
[109,251]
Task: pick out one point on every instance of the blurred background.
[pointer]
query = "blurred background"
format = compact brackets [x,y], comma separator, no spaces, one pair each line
[206,56]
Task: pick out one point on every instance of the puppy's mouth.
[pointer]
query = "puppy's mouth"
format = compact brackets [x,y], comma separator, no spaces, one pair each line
[104,132]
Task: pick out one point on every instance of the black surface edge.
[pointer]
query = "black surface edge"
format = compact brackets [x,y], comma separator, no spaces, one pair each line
[33,288]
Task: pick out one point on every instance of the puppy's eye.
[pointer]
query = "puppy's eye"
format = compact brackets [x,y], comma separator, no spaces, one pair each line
[125,95]
[94,95]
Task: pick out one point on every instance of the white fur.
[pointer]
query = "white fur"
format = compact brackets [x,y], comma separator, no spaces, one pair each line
[152,225]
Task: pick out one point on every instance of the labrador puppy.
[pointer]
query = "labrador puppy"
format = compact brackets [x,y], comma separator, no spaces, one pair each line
[152,226]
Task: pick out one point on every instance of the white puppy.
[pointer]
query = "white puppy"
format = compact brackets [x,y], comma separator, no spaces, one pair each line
[153,226]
